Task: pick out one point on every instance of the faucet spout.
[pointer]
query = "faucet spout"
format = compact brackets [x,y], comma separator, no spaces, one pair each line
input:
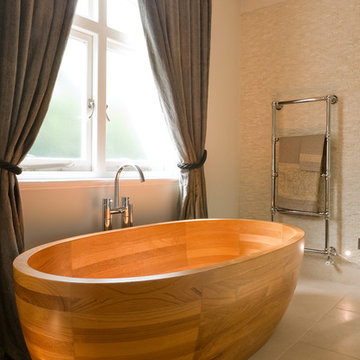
[125,209]
[117,177]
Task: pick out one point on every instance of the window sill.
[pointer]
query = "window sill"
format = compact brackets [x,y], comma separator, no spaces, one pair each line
[30,184]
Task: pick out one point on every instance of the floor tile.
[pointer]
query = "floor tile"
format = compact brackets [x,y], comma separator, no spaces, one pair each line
[337,331]
[321,322]
[351,301]
[301,351]
[312,305]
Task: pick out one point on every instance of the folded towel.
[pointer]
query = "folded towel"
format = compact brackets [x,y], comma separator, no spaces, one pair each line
[311,152]
[299,170]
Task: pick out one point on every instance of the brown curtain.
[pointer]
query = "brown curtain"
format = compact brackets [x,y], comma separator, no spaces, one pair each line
[33,35]
[178,39]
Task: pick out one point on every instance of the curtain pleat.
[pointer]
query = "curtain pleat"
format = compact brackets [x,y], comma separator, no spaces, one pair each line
[177,33]
[33,35]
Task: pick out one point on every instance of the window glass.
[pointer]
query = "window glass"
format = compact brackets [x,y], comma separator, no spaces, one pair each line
[124,16]
[122,138]
[88,9]
[135,128]
[62,134]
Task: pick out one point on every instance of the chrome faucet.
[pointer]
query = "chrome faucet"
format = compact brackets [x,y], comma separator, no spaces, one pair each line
[126,209]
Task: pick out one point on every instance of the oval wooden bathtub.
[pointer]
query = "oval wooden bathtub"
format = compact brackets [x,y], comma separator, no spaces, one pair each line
[202,289]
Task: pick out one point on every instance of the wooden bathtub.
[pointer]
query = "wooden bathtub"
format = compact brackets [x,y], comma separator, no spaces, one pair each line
[201,289]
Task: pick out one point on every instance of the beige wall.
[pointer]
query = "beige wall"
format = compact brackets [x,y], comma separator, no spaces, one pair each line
[222,166]
[251,5]
[55,211]
[299,49]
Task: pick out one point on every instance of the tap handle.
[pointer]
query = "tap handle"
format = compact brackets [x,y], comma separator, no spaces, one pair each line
[131,215]
[107,213]
[125,201]
[125,213]
[107,202]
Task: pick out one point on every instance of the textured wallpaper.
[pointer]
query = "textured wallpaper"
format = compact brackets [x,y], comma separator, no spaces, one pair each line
[300,49]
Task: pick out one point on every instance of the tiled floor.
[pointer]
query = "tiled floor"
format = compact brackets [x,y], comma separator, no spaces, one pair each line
[322,322]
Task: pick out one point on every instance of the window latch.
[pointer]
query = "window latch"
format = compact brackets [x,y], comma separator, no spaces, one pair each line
[107,116]
[91,107]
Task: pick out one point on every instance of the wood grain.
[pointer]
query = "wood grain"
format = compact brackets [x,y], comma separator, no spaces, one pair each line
[188,290]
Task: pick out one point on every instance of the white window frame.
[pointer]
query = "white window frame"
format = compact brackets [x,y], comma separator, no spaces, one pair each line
[98,35]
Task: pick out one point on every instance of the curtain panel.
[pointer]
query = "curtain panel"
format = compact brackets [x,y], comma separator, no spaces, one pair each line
[177,33]
[33,35]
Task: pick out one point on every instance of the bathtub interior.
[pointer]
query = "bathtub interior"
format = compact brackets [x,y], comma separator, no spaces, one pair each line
[158,249]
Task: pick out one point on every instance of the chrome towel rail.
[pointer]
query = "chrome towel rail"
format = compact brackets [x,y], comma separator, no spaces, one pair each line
[333,99]
[276,106]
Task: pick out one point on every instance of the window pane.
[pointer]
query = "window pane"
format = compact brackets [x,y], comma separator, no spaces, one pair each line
[63,133]
[137,129]
[122,141]
[123,15]
[88,9]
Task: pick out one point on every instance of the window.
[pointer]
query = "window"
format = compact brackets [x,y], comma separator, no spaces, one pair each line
[105,109]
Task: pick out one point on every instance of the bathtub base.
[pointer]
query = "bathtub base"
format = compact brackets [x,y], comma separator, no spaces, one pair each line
[225,311]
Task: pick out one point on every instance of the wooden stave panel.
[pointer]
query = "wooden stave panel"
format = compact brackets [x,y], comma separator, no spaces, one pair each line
[261,296]
[94,304]
[190,289]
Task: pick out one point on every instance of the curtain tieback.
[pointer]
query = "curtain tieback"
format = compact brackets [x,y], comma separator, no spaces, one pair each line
[10,167]
[193,166]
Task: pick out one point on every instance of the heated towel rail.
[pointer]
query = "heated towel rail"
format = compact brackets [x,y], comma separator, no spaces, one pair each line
[277,106]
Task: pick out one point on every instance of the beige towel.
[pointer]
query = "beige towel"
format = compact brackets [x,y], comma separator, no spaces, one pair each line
[299,170]
[311,152]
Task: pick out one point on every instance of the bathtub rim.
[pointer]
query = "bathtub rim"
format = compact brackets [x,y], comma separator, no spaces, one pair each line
[20,264]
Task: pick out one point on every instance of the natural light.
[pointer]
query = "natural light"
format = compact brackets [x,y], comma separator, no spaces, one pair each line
[105,109]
